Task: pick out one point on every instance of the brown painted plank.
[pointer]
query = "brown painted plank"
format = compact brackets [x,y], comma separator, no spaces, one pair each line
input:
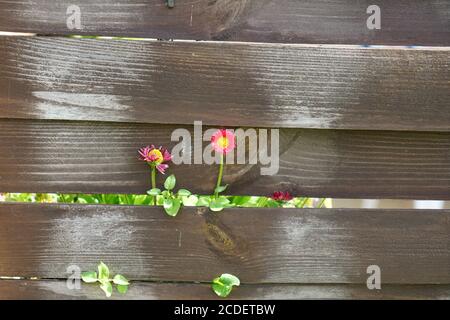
[57,289]
[257,245]
[228,84]
[85,157]
[406,22]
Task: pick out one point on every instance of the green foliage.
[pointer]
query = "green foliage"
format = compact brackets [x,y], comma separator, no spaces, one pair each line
[187,199]
[172,201]
[224,284]
[104,278]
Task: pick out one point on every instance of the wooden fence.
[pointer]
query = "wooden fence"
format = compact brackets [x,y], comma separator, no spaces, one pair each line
[355,122]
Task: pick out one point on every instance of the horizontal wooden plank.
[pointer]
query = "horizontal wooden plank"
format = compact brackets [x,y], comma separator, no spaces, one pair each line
[257,245]
[226,84]
[57,289]
[407,22]
[85,157]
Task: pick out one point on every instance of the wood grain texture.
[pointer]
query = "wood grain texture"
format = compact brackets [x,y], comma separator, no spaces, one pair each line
[57,289]
[406,22]
[87,157]
[225,84]
[258,245]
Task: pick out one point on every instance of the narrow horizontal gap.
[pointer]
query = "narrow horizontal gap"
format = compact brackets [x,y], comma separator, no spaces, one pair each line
[286,201]
[268,44]
[188,282]
[242,201]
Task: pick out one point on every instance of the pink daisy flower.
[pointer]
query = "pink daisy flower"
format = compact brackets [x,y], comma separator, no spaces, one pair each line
[223,141]
[156,157]
[281,196]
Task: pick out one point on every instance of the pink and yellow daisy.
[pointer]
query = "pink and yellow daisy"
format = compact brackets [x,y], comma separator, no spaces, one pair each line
[223,141]
[156,157]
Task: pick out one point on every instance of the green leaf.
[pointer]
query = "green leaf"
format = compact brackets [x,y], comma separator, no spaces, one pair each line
[184,193]
[242,200]
[154,192]
[120,280]
[165,194]
[203,201]
[122,288]
[89,276]
[223,285]
[170,182]
[168,203]
[107,288]
[223,201]
[263,201]
[141,199]
[229,279]
[270,203]
[85,198]
[220,189]
[103,271]
[172,206]
[160,200]
[216,205]
[190,201]
[221,290]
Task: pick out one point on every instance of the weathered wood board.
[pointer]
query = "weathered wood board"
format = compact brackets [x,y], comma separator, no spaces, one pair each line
[226,84]
[57,289]
[403,22]
[99,157]
[272,246]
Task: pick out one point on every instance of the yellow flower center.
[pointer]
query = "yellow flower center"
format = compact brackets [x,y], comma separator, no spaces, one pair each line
[223,142]
[157,155]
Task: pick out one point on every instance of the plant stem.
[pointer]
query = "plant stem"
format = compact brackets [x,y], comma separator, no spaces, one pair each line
[154,182]
[219,177]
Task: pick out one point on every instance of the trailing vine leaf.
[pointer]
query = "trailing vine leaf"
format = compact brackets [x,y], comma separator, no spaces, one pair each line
[103,272]
[122,288]
[107,288]
[223,285]
[89,276]
[106,283]
[120,280]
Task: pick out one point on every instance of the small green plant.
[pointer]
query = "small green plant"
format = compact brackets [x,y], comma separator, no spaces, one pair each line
[224,284]
[170,200]
[105,280]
